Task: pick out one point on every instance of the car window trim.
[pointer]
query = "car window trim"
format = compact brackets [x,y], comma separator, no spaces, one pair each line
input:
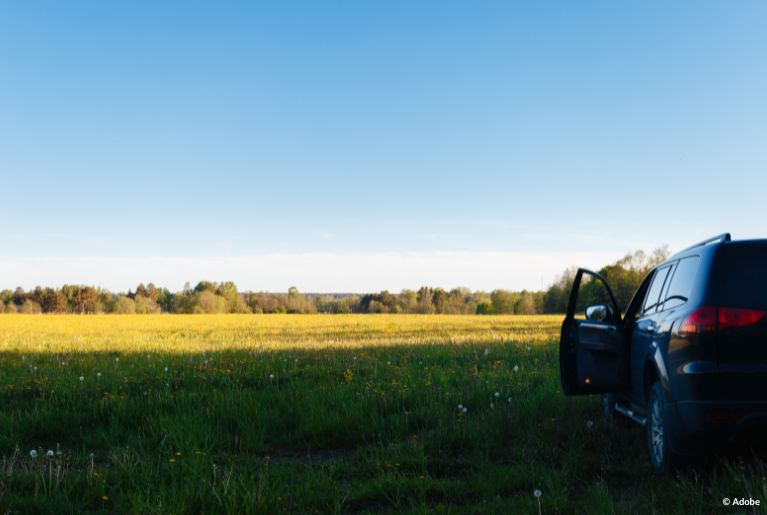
[647,310]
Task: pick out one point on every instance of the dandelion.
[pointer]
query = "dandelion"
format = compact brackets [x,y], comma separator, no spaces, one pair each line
[516,368]
[388,362]
[33,453]
[98,374]
[537,494]
[492,405]
[166,369]
[509,400]
[82,379]
[460,406]
[104,497]
[589,424]
[465,410]
[117,360]
[271,377]
[49,453]
[497,394]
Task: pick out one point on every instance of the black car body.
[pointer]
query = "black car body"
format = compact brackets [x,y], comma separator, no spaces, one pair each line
[688,357]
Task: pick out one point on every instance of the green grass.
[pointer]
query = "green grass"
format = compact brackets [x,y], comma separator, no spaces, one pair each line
[347,414]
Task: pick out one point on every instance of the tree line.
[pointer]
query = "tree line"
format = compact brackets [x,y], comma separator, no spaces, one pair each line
[209,297]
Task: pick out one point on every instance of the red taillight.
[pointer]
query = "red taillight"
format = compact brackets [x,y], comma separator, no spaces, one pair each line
[702,320]
[739,317]
[707,319]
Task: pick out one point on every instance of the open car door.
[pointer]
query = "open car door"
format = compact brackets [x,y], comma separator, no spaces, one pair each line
[593,352]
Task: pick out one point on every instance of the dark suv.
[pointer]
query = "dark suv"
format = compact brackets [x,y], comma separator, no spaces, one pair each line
[688,358]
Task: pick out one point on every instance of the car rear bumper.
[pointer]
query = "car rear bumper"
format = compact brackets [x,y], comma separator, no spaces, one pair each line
[701,425]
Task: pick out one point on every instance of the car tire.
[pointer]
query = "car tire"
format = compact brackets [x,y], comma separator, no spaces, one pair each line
[662,458]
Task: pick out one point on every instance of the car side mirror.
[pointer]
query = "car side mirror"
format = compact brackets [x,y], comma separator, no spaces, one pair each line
[599,313]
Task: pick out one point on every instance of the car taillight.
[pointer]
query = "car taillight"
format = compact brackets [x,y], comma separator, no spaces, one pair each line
[702,320]
[708,318]
[739,317]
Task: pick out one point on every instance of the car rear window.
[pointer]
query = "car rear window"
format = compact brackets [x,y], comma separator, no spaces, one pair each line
[742,272]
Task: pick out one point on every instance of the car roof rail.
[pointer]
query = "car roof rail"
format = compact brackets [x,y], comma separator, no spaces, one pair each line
[721,238]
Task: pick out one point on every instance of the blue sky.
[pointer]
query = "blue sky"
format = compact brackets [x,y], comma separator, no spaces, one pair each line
[245,131]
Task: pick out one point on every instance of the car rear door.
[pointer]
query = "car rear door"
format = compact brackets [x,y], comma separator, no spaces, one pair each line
[593,354]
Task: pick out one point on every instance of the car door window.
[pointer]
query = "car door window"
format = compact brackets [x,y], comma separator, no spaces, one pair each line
[681,282]
[653,294]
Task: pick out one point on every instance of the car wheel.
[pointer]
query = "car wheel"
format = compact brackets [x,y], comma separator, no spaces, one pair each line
[662,458]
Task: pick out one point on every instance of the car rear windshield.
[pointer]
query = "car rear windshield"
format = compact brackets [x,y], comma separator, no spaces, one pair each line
[742,272]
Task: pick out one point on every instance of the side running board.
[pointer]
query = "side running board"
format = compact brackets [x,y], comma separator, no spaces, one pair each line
[628,412]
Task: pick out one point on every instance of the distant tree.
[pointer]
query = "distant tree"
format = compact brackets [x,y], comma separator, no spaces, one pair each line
[53,301]
[145,305]
[407,300]
[503,301]
[19,296]
[424,300]
[30,307]
[526,304]
[297,302]
[439,300]
[208,302]
[86,300]
[485,308]
[124,306]
[205,286]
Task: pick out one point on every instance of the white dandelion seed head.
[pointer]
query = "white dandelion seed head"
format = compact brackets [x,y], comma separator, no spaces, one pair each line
[516,368]
[509,400]
[497,394]
[33,453]
[82,378]
[388,362]
[492,405]
[465,409]
[537,493]
[49,453]
[460,406]
[589,424]
[98,374]
[166,369]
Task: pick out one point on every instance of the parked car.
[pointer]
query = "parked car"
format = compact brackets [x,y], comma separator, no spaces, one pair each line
[687,358]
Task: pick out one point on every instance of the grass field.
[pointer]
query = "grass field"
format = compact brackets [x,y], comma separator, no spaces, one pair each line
[305,413]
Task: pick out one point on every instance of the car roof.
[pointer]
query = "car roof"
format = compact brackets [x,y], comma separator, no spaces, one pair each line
[708,246]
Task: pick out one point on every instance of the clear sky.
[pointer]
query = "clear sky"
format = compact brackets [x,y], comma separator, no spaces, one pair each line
[356,146]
